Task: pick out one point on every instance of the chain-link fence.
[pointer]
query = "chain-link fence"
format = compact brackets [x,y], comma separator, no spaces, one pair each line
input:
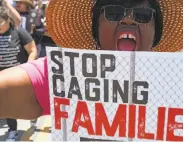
[120,78]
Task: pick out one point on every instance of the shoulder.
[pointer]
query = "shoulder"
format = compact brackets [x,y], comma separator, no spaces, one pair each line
[19,29]
[38,74]
[14,32]
[24,36]
[39,65]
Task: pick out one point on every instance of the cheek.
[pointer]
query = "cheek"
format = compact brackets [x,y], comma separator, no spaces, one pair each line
[3,28]
[22,6]
[106,32]
[147,36]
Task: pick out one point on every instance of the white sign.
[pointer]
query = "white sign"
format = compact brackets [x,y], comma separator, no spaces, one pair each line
[23,22]
[113,95]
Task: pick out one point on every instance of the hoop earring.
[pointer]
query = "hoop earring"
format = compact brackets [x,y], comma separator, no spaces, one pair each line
[97,47]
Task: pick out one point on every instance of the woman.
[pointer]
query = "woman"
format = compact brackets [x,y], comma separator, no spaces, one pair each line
[24,7]
[30,17]
[40,33]
[16,47]
[13,12]
[125,25]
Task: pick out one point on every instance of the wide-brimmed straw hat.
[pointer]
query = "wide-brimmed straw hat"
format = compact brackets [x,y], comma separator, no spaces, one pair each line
[69,23]
[28,2]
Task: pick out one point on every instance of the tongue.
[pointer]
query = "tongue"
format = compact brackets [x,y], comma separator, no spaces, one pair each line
[126,44]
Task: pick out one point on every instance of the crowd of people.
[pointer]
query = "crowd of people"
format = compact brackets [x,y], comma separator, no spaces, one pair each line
[22,38]
[84,24]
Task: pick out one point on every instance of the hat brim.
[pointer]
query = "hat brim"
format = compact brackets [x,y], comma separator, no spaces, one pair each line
[30,3]
[69,24]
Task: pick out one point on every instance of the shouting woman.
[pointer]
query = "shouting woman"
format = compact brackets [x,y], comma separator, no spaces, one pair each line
[123,25]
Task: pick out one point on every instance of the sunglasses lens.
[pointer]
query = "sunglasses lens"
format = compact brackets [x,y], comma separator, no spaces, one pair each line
[142,15]
[114,13]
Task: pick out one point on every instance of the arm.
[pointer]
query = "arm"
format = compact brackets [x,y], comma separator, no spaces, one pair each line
[40,5]
[28,44]
[31,50]
[17,97]
[13,12]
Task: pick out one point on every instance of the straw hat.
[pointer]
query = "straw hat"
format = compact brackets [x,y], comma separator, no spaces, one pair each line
[69,24]
[29,2]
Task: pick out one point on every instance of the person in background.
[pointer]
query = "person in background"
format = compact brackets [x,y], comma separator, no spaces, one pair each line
[39,31]
[30,20]
[25,9]
[13,12]
[16,47]
[8,4]
[41,34]
[31,16]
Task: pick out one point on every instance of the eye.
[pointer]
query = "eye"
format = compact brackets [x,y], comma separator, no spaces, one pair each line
[142,15]
[114,13]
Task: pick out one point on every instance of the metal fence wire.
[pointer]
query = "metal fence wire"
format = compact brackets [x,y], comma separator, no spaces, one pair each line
[162,71]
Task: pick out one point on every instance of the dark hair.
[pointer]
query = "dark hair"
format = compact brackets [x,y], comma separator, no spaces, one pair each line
[4,14]
[127,3]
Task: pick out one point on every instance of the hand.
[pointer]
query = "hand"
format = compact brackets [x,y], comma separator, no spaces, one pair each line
[40,4]
[13,12]
[32,28]
[4,2]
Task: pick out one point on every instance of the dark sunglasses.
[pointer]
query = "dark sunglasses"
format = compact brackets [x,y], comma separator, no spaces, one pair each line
[115,13]
[19,2]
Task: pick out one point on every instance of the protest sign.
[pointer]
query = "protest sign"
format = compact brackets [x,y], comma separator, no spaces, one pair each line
[112,95]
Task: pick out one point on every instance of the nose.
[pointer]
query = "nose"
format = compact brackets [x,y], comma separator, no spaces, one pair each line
[127,20]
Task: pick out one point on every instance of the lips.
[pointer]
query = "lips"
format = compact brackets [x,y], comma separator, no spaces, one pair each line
[127,40]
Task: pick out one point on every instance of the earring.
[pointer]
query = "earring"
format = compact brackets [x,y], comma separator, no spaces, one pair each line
[97,46]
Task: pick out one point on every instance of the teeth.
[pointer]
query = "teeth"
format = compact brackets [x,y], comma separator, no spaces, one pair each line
[127,36]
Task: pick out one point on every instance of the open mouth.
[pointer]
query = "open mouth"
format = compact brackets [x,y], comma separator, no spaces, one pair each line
[127,42]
